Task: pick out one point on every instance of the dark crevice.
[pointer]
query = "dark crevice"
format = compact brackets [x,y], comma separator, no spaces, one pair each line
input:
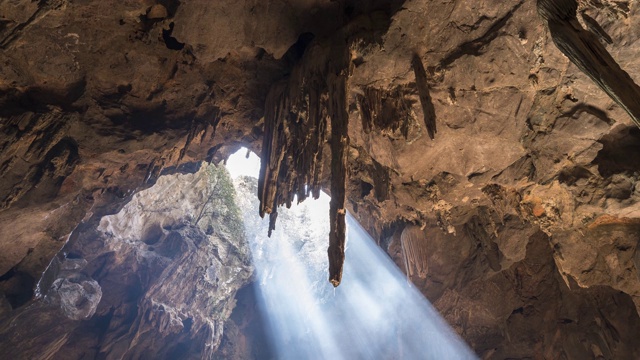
[37,98]
[171,42]
[295,52]
[184,168]
[570,176]
[8,275]
[354,8]
[211,154]
[620,152]
[146,120]
[17,287]
[519,310]
[365,189]
[187,324]
[381,180]
[260,53]
[73,255]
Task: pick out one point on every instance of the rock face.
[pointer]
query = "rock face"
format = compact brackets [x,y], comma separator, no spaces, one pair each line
[156,280]
[518,220]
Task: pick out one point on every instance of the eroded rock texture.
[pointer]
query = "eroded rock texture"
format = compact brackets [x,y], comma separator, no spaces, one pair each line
[519,219]
[156,280]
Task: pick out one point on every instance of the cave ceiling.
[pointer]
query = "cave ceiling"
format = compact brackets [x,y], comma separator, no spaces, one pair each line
[502,134]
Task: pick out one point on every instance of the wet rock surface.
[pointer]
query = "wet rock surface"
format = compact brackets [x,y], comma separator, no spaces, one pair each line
[525,200]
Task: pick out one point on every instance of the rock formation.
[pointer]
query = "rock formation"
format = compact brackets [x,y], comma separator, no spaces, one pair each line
[588,54]
[519,216]
[155,280]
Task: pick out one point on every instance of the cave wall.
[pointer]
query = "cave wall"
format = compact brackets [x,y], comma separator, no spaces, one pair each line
[158,279]
[526,193]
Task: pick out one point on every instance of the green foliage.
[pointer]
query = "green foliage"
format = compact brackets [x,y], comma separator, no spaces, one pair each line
[219,213]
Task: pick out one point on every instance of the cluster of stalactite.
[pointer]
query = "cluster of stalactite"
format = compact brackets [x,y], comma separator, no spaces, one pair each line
[380,109]
[390,110]
[588,54]
[302,114]
[309,110]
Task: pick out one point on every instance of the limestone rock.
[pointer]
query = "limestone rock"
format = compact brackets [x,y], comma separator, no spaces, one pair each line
[527,194]
[78,298]
[157,11]
[146,281]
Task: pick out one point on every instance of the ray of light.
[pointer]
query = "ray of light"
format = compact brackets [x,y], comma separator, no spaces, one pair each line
[373,314]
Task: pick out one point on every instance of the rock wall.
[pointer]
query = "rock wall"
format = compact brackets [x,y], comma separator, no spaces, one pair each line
[155,280]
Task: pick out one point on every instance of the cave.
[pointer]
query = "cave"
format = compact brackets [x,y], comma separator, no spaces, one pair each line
[484,150]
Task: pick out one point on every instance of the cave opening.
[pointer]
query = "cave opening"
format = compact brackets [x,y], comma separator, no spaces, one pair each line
[375,313]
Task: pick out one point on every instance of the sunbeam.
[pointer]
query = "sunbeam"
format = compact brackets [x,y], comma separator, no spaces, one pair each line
[374,314]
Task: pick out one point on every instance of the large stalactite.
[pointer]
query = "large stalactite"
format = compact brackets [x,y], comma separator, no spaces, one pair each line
[338,89]
[302,114]
[589,55]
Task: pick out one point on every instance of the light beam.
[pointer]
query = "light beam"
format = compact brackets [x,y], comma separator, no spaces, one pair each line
[374,314]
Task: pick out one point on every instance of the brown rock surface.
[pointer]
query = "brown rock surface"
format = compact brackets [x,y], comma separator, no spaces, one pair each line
[525,201]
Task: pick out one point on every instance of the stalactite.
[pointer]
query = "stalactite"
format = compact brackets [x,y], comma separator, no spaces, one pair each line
[589,55]
[557,10]
[338,87]
[385,110]
[272,151]
[595,28]
[425,97]
[300,111]
[414,251]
